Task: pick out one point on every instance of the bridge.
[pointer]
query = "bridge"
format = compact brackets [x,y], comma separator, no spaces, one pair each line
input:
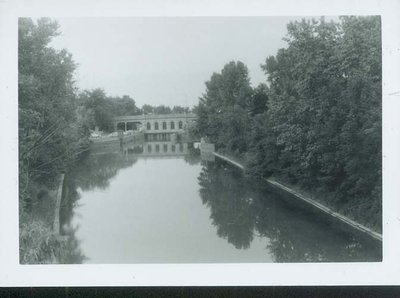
[155,127]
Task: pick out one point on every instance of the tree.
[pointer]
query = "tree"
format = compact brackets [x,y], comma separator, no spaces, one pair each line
[102,108]
[162,109]
[223,110]
[259,101]
[49,135]
[180,110]
[147,109]
[323,123]
[361,133]
[53,131]
[318,122]
[305,88]
[124,106]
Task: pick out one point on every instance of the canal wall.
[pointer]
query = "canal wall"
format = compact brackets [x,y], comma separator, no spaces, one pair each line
[56,222]
[61,194]
[311,202]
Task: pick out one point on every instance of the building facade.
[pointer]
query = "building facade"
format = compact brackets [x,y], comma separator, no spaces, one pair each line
[155,127]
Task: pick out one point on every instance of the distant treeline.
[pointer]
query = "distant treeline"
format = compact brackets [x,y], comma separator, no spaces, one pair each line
[316,123]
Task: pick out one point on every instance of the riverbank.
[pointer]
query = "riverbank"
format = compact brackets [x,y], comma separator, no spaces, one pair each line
[38,241]
[314,203]
[41,240]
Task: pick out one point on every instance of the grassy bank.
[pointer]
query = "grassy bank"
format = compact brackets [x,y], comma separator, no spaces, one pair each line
[39,242]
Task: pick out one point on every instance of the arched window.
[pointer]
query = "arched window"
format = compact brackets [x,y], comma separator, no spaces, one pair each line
[157,148]
[172,125]
[173,148]
[164,125]
[156,126]
[180,125]
[148,126]
[165,148]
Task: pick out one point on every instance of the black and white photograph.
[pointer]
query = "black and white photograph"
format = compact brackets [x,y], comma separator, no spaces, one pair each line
[200,140]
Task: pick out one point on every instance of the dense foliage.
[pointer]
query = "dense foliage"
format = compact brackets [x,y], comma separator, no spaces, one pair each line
[318,123]
[51,127]
[53,131]
[223,109]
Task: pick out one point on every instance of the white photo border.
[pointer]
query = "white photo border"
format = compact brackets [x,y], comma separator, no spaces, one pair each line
[12,273]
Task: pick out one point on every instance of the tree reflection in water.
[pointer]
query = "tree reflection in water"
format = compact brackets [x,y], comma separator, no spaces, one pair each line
[241,209]
[232,211]
[73,253]
[193,155]
[97,170]
[94,171]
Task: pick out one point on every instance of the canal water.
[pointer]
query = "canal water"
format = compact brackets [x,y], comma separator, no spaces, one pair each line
[160,202]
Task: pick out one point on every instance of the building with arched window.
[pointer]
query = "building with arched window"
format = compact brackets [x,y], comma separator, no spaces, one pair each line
[155,127]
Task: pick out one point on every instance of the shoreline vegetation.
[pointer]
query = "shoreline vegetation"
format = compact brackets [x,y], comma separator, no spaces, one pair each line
[314,124]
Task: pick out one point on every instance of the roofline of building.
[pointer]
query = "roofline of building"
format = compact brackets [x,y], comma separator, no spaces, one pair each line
[155,116]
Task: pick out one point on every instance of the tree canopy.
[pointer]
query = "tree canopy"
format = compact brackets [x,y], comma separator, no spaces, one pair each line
[49,121]
[317,121]
[223,109]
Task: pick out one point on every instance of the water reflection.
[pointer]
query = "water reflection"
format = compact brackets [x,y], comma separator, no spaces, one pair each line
[72,250]
[241,209]
[93,171]
[164,149]
[243,221]
[231,209]
[96,170]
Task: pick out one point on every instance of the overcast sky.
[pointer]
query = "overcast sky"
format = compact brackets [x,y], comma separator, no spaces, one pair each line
[166,60]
